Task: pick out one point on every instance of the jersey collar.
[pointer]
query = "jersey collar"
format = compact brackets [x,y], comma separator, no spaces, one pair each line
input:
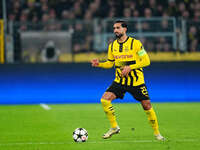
[124,41]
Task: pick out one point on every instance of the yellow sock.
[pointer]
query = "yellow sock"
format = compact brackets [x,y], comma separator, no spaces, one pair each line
[109,110]
[153,120]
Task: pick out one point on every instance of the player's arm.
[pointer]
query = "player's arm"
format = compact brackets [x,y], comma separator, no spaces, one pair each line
[108,64]
[143,60]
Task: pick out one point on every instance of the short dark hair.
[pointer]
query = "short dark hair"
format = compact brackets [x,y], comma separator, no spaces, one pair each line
[123,23]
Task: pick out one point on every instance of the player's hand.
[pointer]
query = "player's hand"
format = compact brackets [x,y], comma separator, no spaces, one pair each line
[95,62]
[125,71]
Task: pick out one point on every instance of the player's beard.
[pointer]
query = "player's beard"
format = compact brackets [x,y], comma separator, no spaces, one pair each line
[119,35]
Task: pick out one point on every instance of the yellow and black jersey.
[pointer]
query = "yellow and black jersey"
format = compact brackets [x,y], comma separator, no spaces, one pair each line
[131,52]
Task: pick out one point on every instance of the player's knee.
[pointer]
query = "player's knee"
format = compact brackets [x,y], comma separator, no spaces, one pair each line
[146,104]
[108,96]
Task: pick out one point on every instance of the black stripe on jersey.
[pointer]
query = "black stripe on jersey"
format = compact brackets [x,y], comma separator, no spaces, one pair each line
[131,78]
[126,81]
[119,77]
[111,60]
[140,69]
[112,46]
[120,47]
[132,44]
[126,63]
[130,62]
[135,73]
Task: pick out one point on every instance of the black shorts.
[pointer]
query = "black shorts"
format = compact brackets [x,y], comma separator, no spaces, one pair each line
[138,92]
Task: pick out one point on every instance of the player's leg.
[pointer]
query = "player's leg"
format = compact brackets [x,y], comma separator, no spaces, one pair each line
[151,115]
[108,108]
[140,93]
[110,113]
[113,92]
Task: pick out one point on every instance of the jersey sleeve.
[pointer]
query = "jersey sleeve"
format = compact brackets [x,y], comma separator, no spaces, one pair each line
[110,61]
[143,58]
[140,49]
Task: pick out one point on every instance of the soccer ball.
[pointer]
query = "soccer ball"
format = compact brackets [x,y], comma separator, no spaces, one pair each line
[80,135]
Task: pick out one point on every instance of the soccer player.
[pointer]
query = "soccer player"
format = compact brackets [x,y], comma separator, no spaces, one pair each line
[129,57]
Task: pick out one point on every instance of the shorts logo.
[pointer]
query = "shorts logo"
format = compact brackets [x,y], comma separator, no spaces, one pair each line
[144,90]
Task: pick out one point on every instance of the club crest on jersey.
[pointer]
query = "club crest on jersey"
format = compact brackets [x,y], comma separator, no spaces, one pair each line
[126,49]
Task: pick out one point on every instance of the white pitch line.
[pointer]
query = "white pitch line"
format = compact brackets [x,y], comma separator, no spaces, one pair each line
[45,106]
[92,142]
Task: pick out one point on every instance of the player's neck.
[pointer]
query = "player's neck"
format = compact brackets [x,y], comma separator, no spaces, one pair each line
[122,39]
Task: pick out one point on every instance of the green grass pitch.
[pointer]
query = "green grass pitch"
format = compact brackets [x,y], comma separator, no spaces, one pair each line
[30,127]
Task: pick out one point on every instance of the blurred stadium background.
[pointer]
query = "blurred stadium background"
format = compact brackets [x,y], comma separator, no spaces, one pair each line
[46,46]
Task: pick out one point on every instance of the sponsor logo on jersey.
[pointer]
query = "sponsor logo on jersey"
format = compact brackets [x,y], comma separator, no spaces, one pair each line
[123,56]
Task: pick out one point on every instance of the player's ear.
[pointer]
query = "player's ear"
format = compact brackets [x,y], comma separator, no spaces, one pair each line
[125,29]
